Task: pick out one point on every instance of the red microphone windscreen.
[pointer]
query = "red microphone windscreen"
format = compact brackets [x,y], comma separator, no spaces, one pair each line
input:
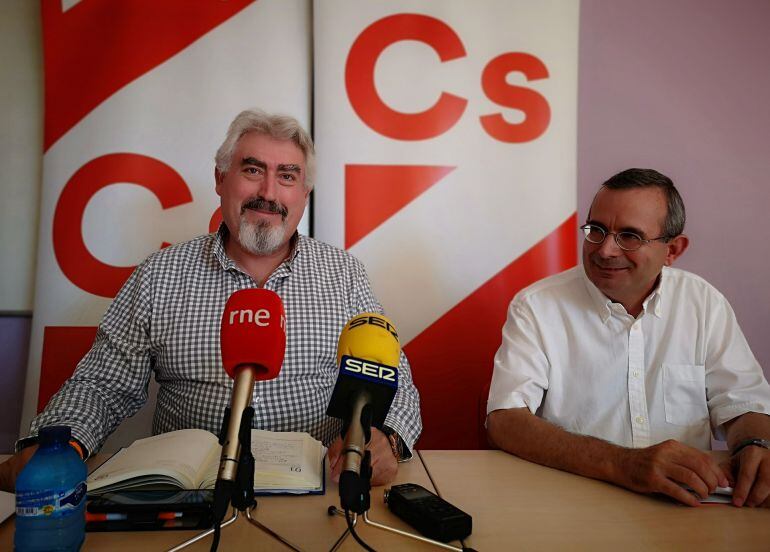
[253,332]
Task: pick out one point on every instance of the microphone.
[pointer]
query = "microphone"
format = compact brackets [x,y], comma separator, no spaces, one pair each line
[253,343]
[368,354]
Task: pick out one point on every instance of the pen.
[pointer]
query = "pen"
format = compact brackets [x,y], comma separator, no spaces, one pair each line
[113,516]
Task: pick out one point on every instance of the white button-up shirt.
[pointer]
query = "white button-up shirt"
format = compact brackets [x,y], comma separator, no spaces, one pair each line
[679,370]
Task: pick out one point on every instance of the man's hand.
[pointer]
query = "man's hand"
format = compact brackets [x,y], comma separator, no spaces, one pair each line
[665,467]
[384,464]
[751,471]
[10,469]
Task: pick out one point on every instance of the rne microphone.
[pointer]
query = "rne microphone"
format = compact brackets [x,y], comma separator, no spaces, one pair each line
[368,354]
[253,344]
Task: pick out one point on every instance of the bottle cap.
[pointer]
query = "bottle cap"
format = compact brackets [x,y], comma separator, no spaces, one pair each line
[54,434]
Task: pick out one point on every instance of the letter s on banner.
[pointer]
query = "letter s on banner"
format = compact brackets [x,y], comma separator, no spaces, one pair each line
[76,262]
[362,92]
[535,107]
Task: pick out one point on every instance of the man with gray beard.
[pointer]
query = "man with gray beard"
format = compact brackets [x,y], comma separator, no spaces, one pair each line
[165,320]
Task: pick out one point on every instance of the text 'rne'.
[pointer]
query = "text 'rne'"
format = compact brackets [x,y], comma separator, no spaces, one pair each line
[260,317]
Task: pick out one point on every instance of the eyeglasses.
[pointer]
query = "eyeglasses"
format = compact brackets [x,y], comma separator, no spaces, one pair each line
[627,241]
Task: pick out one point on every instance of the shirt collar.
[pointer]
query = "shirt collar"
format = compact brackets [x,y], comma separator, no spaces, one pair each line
[288,265]
[655,301]
[601,302]
[219,248]
[605,306]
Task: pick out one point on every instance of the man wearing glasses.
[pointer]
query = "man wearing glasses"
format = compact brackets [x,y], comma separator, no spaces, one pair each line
[621,369]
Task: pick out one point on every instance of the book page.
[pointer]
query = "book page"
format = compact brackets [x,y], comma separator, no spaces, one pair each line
[283,462]
[287,461]
[169,459]
[207,474]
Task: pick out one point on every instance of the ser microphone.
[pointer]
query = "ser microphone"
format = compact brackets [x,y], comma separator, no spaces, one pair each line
[253,344]
[368,354]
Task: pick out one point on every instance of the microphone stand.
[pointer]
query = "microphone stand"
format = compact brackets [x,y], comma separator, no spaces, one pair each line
[333,510]
[239,493]
[355,497]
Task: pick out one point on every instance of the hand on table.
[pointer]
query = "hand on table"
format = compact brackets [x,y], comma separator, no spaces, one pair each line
[750,474]
[384,464]
[667,467]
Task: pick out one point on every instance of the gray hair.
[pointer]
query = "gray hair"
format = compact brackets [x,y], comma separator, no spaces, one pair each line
[279,127]
[673,225]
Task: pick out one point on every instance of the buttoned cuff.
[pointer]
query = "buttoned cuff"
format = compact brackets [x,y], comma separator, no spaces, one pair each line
[21,444]
[404,453]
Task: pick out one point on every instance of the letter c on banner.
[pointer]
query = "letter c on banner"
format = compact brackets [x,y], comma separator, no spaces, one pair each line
[362,92]
[76,262]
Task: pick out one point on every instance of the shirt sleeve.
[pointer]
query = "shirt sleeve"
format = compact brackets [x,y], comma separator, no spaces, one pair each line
[110,382]
[735,383]
[521,368]
[404,415]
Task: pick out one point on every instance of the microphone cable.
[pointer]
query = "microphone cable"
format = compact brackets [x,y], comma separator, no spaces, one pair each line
[352,530]
[222,495]
[217,533]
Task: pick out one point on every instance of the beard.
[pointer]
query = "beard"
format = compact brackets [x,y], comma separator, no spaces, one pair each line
[260,238]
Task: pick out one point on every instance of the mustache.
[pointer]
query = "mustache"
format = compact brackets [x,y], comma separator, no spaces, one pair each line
[259,203]
[608,263]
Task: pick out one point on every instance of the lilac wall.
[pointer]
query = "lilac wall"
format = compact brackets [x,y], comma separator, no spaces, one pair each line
[683,86]
[14,341]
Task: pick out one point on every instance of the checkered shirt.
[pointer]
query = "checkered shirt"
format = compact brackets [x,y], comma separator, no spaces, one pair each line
[166,319]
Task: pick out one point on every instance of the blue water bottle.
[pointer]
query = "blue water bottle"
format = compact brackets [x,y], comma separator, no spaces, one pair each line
[51,495]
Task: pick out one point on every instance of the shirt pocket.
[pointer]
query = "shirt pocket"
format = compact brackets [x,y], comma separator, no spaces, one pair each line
[684,394]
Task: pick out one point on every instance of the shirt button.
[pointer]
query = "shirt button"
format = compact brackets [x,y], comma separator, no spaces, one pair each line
[635,374]
[640,420]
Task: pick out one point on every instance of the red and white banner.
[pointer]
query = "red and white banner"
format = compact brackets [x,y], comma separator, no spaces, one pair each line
[138,96]
[446,138]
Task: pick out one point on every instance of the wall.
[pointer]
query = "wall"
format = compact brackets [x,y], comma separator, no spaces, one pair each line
[682,86]
[21,113]
[21,138]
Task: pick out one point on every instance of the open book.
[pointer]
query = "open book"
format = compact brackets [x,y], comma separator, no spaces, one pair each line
[284,462]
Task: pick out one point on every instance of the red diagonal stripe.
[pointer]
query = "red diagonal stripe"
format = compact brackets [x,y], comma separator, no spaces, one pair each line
[452,359]
[374,193]
[63,347]
[95,48]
